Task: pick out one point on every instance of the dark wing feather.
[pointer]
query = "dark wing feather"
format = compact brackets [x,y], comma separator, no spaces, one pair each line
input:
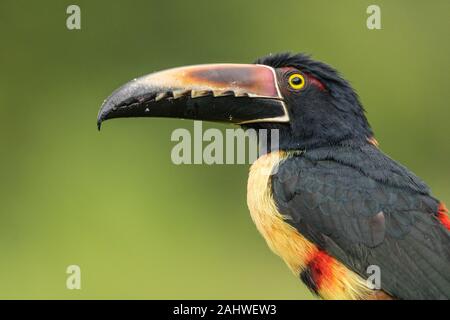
[362,221]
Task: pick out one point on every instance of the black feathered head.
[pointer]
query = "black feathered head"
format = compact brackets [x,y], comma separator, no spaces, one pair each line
[323,108]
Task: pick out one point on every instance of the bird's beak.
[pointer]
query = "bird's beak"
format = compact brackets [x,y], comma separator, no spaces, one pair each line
[234,93]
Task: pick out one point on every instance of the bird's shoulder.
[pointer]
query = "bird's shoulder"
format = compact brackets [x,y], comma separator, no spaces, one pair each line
[367,160]
[353,183]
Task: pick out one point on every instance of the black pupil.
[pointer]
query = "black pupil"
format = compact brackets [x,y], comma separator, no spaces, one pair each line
[297,81]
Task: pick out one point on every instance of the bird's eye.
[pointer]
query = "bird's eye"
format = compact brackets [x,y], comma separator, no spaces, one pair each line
[296,81]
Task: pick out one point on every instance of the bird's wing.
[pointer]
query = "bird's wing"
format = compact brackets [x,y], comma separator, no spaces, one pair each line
[362,222]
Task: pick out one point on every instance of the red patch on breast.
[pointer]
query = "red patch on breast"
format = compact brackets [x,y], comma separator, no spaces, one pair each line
[443,215]
[320,267]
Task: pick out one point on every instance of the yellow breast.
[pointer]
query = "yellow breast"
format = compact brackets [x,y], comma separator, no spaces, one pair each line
[339,282]
[281,237]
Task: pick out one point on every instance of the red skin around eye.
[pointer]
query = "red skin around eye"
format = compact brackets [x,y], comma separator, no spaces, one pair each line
[313,80]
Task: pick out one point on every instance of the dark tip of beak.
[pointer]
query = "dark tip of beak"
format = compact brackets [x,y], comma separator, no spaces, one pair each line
[100,117]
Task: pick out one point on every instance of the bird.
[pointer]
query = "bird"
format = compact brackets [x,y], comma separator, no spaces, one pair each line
[327,200]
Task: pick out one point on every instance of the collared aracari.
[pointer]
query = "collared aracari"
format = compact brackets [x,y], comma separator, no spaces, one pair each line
[335,205]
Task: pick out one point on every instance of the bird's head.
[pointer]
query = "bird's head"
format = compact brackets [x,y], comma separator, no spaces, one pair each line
[308,101]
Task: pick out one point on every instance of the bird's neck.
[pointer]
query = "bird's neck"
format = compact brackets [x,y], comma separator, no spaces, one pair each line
[286,141]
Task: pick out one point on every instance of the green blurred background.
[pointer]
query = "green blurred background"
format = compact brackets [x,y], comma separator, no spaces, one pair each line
[113,202]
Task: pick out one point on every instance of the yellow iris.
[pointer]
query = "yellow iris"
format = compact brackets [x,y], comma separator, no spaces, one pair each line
[296,81]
